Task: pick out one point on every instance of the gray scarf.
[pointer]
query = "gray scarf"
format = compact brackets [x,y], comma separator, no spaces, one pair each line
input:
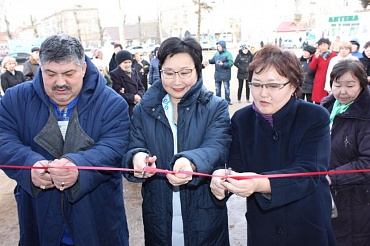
[325,54]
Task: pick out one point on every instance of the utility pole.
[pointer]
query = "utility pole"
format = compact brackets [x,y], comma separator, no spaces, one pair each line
[159,16]
[121,26]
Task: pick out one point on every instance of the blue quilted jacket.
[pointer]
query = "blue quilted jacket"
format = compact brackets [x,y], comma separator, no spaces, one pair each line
[203,129]
[95,213]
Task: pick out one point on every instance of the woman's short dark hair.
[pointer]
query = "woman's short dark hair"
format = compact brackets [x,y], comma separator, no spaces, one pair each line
[118,45]
[355,67]
[367,44]
[285,62]
[324,40]
[175,45]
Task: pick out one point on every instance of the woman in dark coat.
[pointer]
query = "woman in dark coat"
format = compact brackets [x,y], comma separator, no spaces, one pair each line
[10,77]
[350,150]
[283,135]
[366,60]
[126,80]
[242,60]
[309,75]
[142,66]
[187,128]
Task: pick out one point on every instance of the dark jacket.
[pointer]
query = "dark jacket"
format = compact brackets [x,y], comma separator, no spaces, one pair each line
[350,150]
[30,68]
[203,136]
[142,68]
[299,210]
[366,62]
[309,75]
[154,73]
[9,80]
[94,211]
[132,85]
[143,64]
[222,73]
[113,63]
[242,62]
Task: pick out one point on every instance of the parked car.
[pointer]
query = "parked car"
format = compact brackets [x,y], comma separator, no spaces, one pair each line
[290,43]
[244,43]
[20,57]
[151,47]
[137,49]
[208,45]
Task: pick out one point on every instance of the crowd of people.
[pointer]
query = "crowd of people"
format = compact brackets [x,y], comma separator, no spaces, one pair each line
[305,115]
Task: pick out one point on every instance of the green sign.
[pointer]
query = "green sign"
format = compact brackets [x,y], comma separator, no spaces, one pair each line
[343,18]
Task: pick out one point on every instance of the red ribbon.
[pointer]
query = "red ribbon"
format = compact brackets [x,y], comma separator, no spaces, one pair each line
[158,170]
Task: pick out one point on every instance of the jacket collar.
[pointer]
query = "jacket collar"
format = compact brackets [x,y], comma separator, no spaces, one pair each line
[153,97]
[359,108]
[286,113]
[364,57]
[33,61]
[93,85]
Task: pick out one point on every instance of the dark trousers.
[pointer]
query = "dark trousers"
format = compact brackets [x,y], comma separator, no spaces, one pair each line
[240,89]
[144,81]
[308,97]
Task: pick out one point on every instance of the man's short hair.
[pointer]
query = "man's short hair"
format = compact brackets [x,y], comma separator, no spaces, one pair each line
[62,48]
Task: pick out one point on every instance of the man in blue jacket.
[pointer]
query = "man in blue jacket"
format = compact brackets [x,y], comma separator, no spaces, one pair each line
[65,118]
[223,61]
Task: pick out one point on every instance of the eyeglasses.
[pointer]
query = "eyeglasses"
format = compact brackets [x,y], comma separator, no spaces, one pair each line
[183,73]
[268,86]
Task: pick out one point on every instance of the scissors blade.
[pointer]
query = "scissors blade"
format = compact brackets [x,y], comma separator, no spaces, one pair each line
[143,172]
[226,174]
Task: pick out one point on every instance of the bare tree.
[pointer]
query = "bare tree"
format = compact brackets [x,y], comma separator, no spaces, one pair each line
[34,27]
[78,26]
[201,6]
[122,23]
[139,27]
[160,34]
[101,32]
[365,3]
[7,27]
[60,27]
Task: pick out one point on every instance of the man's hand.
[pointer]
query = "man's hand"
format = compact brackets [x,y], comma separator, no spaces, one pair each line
[317,54]
[137,98]
[63,178]
[41,177]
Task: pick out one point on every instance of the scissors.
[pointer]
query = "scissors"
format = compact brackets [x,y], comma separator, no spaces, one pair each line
[45,171]
[227,173]
[146,164]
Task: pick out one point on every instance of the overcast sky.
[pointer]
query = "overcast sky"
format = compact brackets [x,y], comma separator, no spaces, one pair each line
[18,11]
